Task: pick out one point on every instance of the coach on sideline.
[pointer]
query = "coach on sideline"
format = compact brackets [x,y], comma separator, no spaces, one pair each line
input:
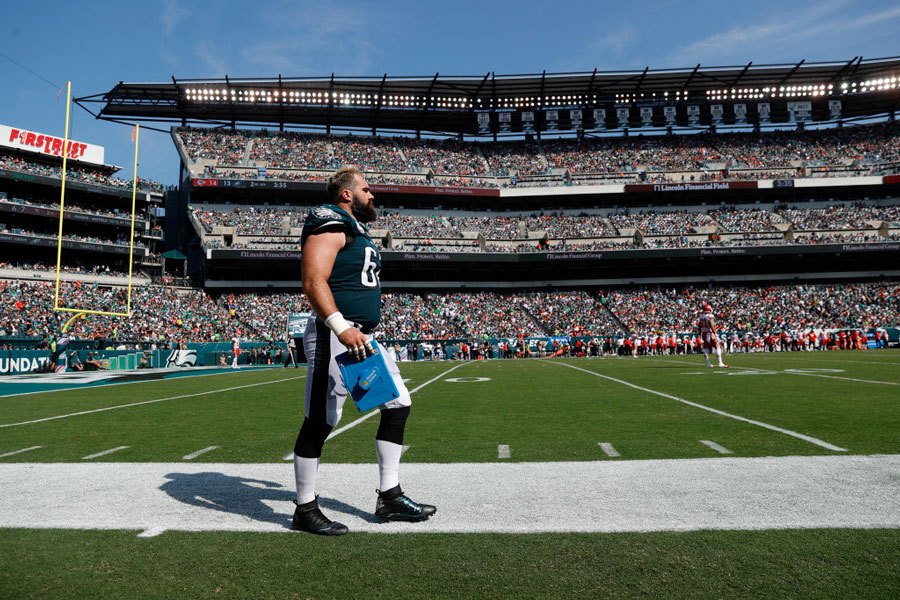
[341,267]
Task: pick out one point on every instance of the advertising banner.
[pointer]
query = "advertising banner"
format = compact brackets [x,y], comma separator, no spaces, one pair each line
[50,145]
[764,112]
[528,122]
[552,120]
[669,113]
[799,112]
[505,120]
[693,112]
[600,118]
[24,361]
[622,114]
[575,115]
[646,116]
[716,112]
[740,114]
[834,109]
[484,123]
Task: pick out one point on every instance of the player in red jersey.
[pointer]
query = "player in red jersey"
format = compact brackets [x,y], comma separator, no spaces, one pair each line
[709,340]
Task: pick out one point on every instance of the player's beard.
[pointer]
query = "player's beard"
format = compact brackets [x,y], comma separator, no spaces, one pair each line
[362,211]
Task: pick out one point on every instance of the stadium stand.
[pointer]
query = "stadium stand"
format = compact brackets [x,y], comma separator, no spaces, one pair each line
[850,151]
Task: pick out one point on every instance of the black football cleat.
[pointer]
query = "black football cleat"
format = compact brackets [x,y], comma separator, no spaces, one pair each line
[308,517]
[393,505]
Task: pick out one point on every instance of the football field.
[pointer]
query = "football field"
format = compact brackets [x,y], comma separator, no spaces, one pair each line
[612,477]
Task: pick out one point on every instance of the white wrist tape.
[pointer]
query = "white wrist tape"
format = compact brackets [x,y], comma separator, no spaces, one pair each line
[337,323]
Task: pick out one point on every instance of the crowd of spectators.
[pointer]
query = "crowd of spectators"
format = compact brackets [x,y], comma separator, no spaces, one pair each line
[759,309]
[557,231]
[848,151]
[179,315]
[157,313]
[74,173]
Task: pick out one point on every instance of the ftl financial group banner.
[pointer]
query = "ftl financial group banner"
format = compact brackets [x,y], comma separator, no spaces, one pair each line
[49,145]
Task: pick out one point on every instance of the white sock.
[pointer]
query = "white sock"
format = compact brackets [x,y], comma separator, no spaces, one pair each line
[388,464]
[719,354]
[305,472]
[706,357]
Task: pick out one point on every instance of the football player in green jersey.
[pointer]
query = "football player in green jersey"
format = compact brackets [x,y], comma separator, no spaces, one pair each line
[341,267]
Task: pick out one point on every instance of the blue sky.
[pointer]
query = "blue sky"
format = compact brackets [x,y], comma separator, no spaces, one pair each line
[97,44]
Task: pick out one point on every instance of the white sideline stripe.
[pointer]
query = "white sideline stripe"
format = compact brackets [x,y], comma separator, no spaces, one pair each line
[713,493]
[716,447]
[609,450]
[799,436]
[14,452]
[97,410]
[372,413]
[194,455]
[105,452]
[503,451]
[152,532]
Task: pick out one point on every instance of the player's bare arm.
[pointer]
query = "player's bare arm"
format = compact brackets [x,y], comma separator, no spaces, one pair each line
[319,253]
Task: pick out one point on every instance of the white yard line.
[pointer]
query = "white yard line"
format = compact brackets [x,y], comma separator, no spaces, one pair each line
[714,446]
[503,451]
[790,372]
[811,356]
[800,436]
[194,455]
[372,413]
[715,493]
[118,406]
[105,452]
[14,452]
[609,450]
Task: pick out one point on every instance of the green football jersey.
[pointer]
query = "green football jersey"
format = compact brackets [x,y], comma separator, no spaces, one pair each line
[354,279]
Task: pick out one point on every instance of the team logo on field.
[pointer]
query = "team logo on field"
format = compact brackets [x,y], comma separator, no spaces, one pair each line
[181,358]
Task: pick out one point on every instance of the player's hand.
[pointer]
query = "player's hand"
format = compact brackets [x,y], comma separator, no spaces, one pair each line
[356,343]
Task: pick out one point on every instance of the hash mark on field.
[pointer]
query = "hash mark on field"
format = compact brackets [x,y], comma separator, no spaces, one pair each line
[152,532]
[502,451]
[288,456]
[608,449]
[105,452]
[194,455]
[716,447]
[403,451]
[14,452]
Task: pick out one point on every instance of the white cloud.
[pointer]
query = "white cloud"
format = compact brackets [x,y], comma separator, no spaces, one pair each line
[312,40]
[783,36]
[212,59]
[172,14]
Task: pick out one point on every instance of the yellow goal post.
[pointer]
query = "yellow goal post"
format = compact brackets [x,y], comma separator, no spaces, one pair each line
[62,206]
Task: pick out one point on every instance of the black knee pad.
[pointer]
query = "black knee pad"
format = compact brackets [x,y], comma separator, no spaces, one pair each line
[311,438]
[392,425]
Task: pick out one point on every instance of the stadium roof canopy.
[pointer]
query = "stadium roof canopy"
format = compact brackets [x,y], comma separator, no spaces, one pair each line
[452,104]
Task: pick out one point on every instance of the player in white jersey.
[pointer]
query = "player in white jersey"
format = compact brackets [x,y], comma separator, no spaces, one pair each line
[706,323]
[236,350]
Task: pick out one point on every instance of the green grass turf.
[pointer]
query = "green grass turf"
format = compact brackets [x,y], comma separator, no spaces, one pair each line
[710,564]
[543,410]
